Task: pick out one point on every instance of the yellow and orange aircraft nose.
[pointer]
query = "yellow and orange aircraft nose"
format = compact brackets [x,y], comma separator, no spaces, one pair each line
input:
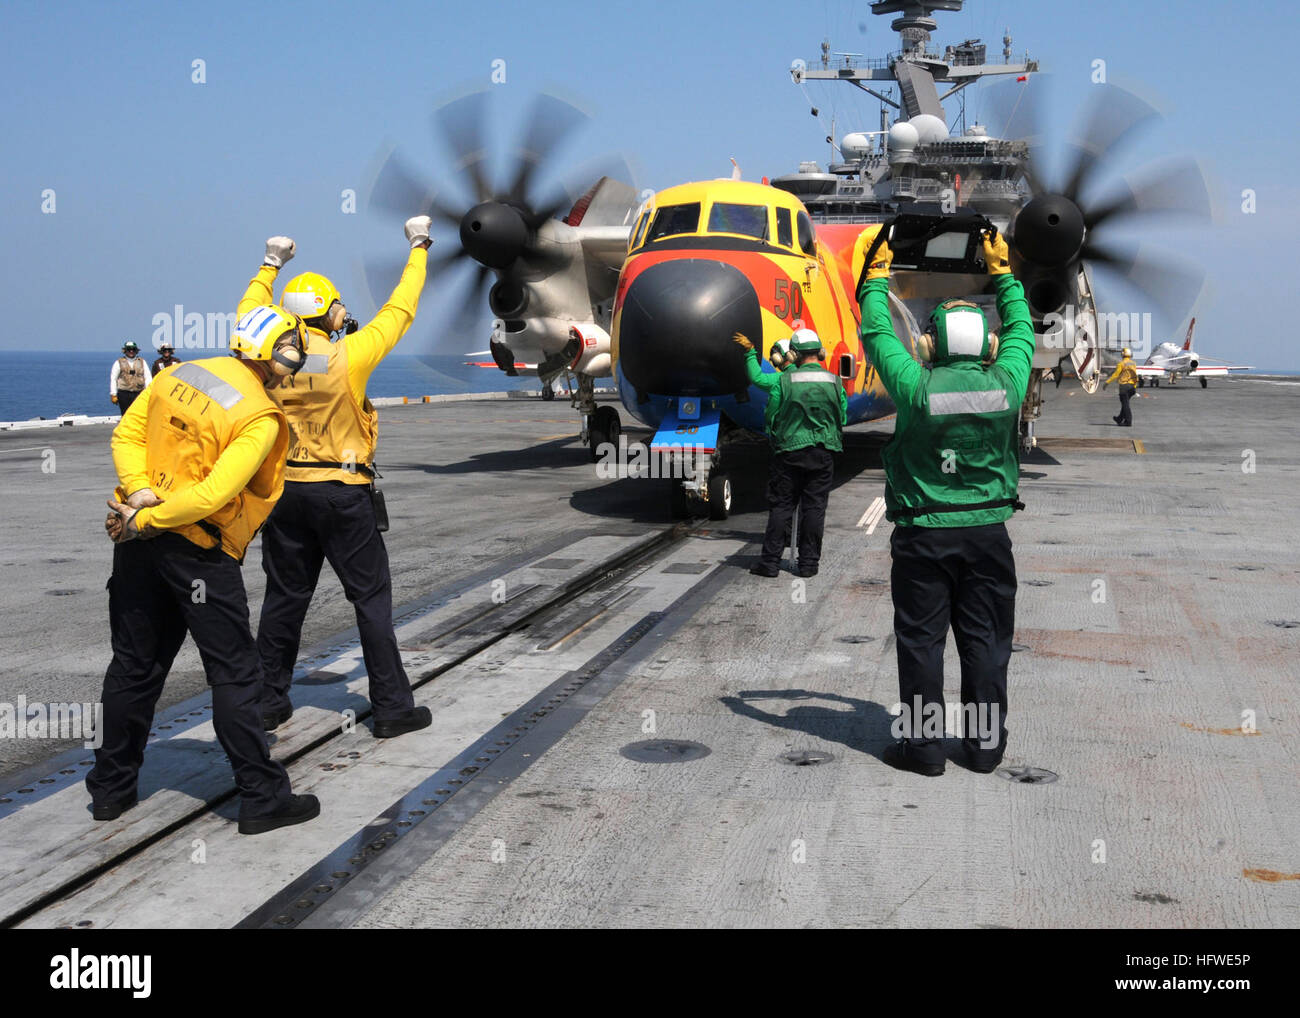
[676,323]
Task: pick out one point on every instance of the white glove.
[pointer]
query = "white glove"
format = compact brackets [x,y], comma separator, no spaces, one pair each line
[278,251]
[417,230]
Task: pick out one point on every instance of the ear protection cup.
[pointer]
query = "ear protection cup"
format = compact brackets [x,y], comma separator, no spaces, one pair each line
[336,316]
[925,347]
[289,354]
[993,346]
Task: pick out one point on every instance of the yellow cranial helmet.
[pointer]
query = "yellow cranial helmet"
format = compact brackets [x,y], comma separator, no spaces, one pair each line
[269,333]
[309,295]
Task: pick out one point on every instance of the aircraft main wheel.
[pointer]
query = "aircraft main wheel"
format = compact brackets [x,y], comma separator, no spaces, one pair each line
[1205,383]
[548,393]
[679,501]
[1141,382]
[719,496]
[605,427]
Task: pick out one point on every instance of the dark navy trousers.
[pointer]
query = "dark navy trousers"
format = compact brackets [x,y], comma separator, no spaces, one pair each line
[963,577]
[312,522]
[800,478]
[161,589]
[1125,412]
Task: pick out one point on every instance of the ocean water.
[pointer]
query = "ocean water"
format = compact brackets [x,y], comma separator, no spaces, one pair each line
[47,384]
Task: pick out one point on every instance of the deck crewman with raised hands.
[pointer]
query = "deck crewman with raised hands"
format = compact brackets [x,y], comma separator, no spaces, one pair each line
[331,509]
[951,473]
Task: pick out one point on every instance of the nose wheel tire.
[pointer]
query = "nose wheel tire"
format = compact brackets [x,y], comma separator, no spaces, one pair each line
[719,496]
[605,428]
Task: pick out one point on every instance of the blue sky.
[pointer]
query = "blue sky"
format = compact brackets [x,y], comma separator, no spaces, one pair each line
[165,189]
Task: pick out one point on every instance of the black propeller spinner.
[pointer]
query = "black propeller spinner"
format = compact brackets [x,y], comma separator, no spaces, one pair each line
[498,231]
[1058,227]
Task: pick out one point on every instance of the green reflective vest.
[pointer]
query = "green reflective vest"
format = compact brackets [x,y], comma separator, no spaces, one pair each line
[769,411]
[806,406]
[961,448]
[956,438]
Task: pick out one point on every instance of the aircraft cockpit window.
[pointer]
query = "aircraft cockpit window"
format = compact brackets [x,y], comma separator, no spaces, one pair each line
[671,219]
[640,229]
[807,238]
[784,234]
[750,220]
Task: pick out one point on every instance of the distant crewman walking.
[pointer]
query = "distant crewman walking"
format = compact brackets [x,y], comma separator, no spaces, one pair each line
[951,473]
[806,411]
[1126,372]
[200,463]
[128,378]
[166,358]
[330,508]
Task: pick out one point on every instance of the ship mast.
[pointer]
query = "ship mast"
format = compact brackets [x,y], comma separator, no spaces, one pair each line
[914,69]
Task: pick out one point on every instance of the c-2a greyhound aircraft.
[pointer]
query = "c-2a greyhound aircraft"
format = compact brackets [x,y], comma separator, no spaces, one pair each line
[649,287]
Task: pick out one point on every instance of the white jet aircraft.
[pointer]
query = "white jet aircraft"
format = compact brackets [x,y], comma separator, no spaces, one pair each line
[1171,363]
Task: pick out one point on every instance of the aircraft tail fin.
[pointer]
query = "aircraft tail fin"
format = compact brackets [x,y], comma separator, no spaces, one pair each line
[1187,343]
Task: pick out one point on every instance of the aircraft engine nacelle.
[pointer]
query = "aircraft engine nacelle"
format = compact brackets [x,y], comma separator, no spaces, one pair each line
[1193,363]
[593,349]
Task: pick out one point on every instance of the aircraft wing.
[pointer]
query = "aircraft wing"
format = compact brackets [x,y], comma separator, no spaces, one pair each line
[1219,370]
[1150,369]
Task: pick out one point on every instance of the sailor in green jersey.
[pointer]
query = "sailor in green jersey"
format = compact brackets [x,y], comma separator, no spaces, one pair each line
[806,408]
[951,474]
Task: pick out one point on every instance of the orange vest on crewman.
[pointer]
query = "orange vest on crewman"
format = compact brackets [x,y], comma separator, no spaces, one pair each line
[195,411]
[333,439]
[130,374]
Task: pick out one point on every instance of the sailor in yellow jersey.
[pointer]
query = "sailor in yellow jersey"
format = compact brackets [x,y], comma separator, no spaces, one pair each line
[1126,372]
[200,462]
[330,509]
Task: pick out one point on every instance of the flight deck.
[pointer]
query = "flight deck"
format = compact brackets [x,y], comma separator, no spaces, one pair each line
[631,730]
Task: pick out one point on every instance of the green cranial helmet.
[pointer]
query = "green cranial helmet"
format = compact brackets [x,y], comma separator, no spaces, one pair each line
[961,333]
[805,341]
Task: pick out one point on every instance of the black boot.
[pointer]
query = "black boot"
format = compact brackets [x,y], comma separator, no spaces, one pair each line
[410,721]
[903,756]
[113,810]
[297,810]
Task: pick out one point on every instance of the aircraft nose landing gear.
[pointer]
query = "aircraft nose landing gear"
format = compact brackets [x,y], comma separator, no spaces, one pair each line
[709,491]
[604,429]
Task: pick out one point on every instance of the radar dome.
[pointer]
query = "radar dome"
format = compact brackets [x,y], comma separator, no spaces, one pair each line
[855,146]
[930,128]
[903,139]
